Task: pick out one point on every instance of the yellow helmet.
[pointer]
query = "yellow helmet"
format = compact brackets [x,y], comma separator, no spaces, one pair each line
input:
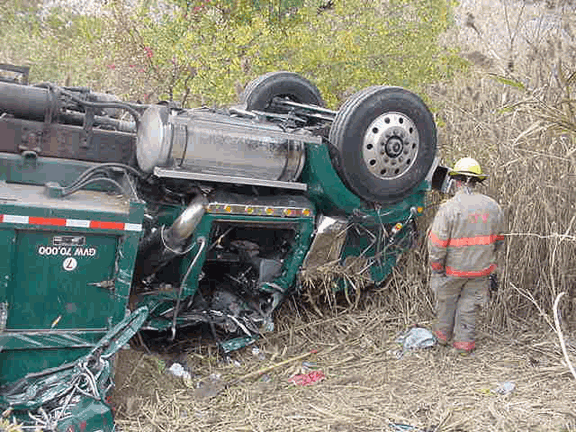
[468,167]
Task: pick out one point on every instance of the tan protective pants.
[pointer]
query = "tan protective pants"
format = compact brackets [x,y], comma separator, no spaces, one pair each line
[458,301]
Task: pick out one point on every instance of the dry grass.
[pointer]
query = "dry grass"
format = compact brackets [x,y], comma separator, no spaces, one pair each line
[367,385]
[524,139]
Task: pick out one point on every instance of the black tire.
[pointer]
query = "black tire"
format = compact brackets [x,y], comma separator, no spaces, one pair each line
[384,143]
[260,92]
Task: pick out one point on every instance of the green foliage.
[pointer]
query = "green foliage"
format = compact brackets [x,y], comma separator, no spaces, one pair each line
[213,49]
[205,51]
[57,45]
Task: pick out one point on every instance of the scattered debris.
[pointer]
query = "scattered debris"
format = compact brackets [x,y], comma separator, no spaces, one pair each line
[236,343]
[505,388]
[310,378]
[256,352]
[309,365]
[178,370]
[415,338]
[265,378]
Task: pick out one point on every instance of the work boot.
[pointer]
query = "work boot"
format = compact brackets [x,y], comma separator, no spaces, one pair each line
[441,337]
[464,348]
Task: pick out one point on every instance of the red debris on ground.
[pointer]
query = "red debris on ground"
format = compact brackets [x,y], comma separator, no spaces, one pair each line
[307,379]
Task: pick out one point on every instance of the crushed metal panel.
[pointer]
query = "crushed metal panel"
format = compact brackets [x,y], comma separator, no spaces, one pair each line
[73,393]
[327,244]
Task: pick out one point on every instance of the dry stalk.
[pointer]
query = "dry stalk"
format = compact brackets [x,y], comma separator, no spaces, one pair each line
[555,236]
[270,368]
[321,284]
[560,336]
[528,295]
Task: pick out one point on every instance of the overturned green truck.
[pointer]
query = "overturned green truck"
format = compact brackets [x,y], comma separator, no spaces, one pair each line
[117,216]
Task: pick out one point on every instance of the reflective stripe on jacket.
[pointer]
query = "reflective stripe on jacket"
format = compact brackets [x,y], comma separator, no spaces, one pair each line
[465,235]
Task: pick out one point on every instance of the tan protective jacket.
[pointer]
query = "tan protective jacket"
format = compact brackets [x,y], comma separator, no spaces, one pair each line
[465,235]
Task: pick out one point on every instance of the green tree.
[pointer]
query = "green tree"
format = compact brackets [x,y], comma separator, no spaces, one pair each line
[58,45]
[204,52]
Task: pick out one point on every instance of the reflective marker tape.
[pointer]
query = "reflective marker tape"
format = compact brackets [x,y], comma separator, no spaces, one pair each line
[76,223]
[15,219]
[73,223]
[132,227]
[46,221]
[107,225]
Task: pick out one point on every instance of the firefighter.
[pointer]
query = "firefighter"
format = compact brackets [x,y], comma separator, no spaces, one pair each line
[465,235]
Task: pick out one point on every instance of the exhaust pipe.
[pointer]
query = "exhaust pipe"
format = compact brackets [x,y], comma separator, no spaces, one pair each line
[176,237]
[163,245]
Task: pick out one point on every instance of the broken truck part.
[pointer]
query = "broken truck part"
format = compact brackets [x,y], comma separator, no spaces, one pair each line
[195,216]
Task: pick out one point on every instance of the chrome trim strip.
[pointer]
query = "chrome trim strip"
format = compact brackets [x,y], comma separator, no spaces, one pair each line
[169,173]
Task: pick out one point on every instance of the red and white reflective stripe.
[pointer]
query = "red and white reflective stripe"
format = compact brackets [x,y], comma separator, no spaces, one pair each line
[475,241]
[481,240]
[471,273]
[74,223]
[434,239]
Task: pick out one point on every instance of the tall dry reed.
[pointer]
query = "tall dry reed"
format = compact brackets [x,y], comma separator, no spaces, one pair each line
[515,115]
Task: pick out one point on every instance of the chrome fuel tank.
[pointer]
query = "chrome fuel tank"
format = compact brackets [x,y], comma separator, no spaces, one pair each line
[217,144]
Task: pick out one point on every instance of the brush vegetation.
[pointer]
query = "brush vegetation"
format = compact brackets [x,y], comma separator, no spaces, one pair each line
[203,52]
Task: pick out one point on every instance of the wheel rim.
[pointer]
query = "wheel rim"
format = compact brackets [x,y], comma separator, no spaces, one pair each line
[390,145]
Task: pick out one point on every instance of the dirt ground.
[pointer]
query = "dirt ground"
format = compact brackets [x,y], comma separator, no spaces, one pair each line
[369,383]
